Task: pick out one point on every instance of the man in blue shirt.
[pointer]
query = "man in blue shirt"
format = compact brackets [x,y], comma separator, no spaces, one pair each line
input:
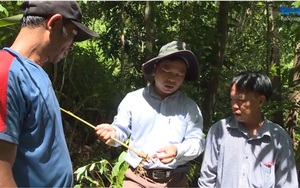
[33,150]
[161,121]
[246,149]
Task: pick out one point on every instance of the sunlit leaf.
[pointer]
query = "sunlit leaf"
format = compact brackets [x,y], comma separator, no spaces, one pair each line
[3,9]
[92,167]
[10,20]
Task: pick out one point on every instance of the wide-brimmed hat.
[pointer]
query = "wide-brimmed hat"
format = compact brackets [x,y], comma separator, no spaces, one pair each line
[68,9]
[175,48]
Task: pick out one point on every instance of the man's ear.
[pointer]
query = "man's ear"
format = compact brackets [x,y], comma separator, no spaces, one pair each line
[261,100]
[55,20]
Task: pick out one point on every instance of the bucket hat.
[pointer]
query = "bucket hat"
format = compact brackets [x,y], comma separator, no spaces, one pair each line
[175,48]
[68,9]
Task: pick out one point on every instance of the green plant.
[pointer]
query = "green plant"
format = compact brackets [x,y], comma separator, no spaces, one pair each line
[102,173]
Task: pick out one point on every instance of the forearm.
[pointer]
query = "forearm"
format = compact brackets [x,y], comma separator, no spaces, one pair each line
[6,177]
[208,173]
[7,159]
[189,149]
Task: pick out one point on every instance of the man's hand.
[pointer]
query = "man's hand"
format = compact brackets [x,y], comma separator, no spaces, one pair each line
[166,154]
[105,132]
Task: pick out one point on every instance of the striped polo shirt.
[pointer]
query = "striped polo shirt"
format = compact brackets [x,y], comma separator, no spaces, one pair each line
[233,159]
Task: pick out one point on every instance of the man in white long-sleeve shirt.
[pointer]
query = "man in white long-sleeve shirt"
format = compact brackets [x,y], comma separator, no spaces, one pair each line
[160,121]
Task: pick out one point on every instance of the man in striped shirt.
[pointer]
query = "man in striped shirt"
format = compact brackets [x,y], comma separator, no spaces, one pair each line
[246,149]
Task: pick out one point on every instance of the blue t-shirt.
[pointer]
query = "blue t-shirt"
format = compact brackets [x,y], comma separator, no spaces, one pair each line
[30,117]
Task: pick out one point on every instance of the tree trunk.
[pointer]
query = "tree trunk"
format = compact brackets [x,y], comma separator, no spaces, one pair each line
[149,31]
[294,96]
[122,39]
[274,61]
[216,62]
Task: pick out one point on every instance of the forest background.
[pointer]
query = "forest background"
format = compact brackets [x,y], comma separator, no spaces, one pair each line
[227,38]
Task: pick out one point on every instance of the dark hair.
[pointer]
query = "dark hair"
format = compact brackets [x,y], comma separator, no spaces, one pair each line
[249,81]
[36,21]
[32,21]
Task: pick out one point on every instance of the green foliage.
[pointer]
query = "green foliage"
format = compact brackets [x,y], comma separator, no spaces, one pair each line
[3,9]
[4,22]
[97,173]
[90,82]
[9,19]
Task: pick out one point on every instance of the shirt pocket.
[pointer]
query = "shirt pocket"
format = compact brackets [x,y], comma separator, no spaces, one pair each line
[267,175]
[176,130]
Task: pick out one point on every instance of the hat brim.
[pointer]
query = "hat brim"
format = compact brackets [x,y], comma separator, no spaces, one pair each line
[83,33]
[192,73]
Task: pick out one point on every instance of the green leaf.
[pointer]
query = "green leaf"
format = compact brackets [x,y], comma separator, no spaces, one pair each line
[10,20]
[103,164]
[296,4]
[80,172]
[3,9]
[116,169]
[92,167]
[260,3]
[122,156]
[77,186]
[93,183]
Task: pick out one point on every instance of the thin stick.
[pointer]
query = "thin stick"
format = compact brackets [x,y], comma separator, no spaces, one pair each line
[140,154]
[71,114]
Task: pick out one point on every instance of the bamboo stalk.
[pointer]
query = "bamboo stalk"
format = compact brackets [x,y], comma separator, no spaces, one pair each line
[138,153]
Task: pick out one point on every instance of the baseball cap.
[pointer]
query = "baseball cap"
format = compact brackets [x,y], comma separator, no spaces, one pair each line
[180,49]
[68,9]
